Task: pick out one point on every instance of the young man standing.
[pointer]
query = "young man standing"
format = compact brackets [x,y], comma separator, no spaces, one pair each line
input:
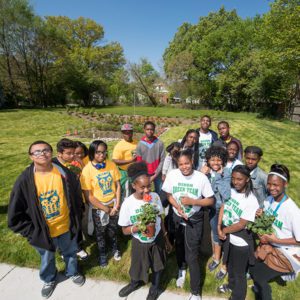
[206,138]
[65,155]
[65,152]
[124,154]
[225,137]
[45,207]
[259,178]
[151,150]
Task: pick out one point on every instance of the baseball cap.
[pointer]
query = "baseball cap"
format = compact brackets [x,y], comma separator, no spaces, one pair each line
[126,127]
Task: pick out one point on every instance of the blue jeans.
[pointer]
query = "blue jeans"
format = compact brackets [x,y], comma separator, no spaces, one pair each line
[68,249]
[157,184]
[213,220]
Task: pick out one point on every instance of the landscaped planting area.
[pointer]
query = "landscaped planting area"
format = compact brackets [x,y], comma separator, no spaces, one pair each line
[279,140]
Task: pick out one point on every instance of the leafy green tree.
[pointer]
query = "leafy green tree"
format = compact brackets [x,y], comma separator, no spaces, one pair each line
[86,66]
[144,77]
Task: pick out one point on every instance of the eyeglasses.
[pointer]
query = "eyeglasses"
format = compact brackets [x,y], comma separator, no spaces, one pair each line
[101,152]
[38,153]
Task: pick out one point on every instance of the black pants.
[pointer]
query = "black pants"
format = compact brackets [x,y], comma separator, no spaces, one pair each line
[187,242]
[237,269]
[101,231]
[261,275]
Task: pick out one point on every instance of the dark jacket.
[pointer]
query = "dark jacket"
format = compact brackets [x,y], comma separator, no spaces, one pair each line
[25,215]
[214,135]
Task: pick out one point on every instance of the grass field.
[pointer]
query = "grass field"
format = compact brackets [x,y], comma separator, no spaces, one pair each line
[279,140]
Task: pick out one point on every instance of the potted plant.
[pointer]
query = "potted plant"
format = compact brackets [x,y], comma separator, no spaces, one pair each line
[262,224]
[147,219]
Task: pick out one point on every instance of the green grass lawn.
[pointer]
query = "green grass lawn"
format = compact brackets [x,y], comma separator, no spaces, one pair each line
[279,140]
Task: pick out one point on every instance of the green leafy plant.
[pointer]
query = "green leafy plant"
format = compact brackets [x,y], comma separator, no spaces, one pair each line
[147,216]
[262,224]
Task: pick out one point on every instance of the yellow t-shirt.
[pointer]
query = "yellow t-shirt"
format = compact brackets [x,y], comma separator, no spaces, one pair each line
[50,193]
[100,182]
[123,151]
[85,160]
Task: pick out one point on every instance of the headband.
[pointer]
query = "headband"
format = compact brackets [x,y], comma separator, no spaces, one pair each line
[279,175]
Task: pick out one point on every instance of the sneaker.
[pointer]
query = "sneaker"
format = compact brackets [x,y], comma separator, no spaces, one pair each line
[195,297]
[153,294]
[128,289]
[213,265]
[103,262]
[224,288]
[221,274]
[78,279]
[48,289]
[117,255]
[254,289]
[181,278]
[82,254]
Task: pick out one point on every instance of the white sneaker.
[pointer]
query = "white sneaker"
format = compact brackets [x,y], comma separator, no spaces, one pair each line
[195,297]
[117,255]
[181,278]
[82,255]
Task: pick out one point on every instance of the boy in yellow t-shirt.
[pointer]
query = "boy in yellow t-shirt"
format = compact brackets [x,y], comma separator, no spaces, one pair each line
[66,157]
[124,155]
[45,207]
[100,182]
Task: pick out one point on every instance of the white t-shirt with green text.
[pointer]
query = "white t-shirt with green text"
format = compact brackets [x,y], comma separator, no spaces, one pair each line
[286,225]
[239,207]
[205,140]
[194,186]
[131,208]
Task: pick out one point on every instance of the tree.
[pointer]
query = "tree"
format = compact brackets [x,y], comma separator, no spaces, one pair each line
[86,66]
[144,77]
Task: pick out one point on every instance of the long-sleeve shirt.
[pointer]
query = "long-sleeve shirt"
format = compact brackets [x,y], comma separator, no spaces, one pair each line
[152,153]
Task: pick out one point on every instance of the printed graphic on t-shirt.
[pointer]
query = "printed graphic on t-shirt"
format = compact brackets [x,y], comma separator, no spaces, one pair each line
[51,204]
[232,212]
[185,190]
[203,146]
[105,182]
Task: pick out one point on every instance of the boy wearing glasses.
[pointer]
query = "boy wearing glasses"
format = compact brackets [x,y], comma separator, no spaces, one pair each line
[45,207]
[100,182]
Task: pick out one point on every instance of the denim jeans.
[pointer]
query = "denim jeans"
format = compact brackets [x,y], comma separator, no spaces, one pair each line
[68,249]
[157,184]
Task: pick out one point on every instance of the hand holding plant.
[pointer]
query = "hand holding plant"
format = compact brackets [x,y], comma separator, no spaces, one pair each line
[147,217]
[262,224]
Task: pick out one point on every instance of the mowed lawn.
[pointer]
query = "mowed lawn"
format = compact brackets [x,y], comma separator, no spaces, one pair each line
[280,142]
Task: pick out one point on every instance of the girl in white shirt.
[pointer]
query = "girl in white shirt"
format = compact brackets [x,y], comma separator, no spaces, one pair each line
[286,236]
[147,252]
[188,191]
[238,247]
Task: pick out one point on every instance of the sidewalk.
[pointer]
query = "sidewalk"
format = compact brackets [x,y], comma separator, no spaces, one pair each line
[24,284]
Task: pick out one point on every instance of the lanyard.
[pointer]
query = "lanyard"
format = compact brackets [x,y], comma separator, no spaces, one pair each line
[279,204]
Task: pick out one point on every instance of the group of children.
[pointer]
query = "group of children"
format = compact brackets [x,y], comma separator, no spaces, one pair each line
[199,174]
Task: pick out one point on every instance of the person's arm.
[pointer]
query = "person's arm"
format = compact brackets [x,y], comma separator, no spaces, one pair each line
[131,229]
[223,184]
[240,225]
[208,201]
[221,234]
[95,202]
[272,238]
[118,197]
[18,220]
[161,160]
[121,162]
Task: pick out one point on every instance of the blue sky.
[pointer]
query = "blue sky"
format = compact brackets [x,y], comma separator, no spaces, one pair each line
[144,28]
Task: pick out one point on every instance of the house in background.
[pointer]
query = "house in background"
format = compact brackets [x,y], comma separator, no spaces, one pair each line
[161,93]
